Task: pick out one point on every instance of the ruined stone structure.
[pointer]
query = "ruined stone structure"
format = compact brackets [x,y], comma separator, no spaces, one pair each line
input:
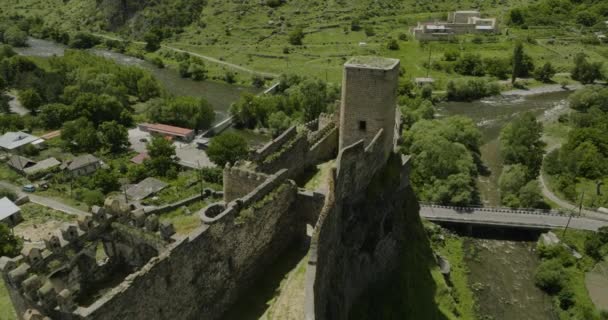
[149,275]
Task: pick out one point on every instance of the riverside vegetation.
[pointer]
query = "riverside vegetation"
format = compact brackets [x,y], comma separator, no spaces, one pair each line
[313,38]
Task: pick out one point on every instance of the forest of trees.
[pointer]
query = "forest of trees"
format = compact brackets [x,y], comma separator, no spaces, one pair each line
[584,154]
[297,100]
[522,151]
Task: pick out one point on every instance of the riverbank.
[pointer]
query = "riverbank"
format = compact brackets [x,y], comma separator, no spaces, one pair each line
[550,88]
[219,94]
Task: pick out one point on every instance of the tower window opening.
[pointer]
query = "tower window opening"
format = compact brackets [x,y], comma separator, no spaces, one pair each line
[362,125]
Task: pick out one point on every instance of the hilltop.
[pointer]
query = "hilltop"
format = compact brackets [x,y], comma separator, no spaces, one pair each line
[260,36]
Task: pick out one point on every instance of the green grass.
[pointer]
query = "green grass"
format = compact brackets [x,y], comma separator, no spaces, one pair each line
[257,39]
[185,223]
[6,307]
[33,214]
[583,307]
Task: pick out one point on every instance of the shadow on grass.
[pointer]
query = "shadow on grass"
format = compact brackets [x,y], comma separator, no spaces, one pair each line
[255,301]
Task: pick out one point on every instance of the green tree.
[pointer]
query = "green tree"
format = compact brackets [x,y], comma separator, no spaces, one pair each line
[545,73]
[392,44]
[184,67]
[586,18]
[521,143]
[148,88]
[9,244]
[586,72]
[521,62]
[530,196]
[80,135]
[30,99]
[296,36]
[516,17]
[470,64]
[114,136]
[197,71]
[189,112]
[153,40]
[15,37]
[512,179]
[104,180]
[55,114]
[278,122]
[162,160]
[227,147]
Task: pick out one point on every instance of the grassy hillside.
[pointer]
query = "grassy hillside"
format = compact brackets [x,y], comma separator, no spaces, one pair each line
[256,35]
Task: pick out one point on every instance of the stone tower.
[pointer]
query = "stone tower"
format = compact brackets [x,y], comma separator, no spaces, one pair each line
[369,99]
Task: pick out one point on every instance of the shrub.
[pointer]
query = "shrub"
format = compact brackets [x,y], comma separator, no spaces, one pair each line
[369,31]
[545,73]
[451,55]
[212,175]
[296,36]
[355,25]
[15,37]
[551,276]
[403,36]
[392,44]
[10,194]
[468,90]
[566,298]
[227,147]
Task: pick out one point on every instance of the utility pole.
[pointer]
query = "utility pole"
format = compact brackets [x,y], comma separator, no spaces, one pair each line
[200,177]
[580,209]
[428,66]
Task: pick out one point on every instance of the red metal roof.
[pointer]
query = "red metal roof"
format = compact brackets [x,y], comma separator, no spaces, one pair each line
[139,159]
[170,130]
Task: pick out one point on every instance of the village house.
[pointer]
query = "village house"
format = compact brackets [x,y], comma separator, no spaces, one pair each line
[175,133]
[10,213]
[14,141]
[459,22]
[83,165]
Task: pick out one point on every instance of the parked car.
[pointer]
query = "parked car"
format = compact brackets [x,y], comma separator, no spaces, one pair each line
[29,188]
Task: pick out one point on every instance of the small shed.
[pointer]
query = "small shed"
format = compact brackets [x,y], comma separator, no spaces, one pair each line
[9,212]
[424,81]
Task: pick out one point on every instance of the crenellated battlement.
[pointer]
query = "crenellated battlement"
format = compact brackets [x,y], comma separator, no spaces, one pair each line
[239,181]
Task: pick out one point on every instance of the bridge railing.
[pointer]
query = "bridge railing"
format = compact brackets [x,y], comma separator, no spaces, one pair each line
[545,212]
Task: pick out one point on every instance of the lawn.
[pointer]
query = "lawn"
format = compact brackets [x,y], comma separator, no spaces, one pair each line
[183,220]
[255,36]
[6,307]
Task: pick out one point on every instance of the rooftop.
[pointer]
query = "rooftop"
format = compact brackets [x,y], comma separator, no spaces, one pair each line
[7,208]
[145,188]
[43,165]
[167,129]
[19,162]
[372,62]
[82,161]
[14,140]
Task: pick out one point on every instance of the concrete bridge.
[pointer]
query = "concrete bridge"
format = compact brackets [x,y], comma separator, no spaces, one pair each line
[506,218]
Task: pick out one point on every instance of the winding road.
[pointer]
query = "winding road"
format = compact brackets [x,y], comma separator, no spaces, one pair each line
[45,201]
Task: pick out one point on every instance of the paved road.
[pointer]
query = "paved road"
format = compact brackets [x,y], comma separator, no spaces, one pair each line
[491,217]
[46,202]
[204,57]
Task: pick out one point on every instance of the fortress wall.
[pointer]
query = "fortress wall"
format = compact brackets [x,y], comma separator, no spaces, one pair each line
[309,205]
[325,148]
[199,276]
[274,145]
[293,156]
[358,236]
[239,181]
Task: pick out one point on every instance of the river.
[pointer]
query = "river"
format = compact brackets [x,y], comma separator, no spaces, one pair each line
[220,95]
[491,115]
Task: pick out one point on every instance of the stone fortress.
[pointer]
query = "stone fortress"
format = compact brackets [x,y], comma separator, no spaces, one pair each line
[149,272]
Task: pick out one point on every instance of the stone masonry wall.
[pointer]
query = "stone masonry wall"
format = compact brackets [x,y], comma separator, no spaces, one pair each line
[203,274]
[239,181]
[369,100]
[358,236]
